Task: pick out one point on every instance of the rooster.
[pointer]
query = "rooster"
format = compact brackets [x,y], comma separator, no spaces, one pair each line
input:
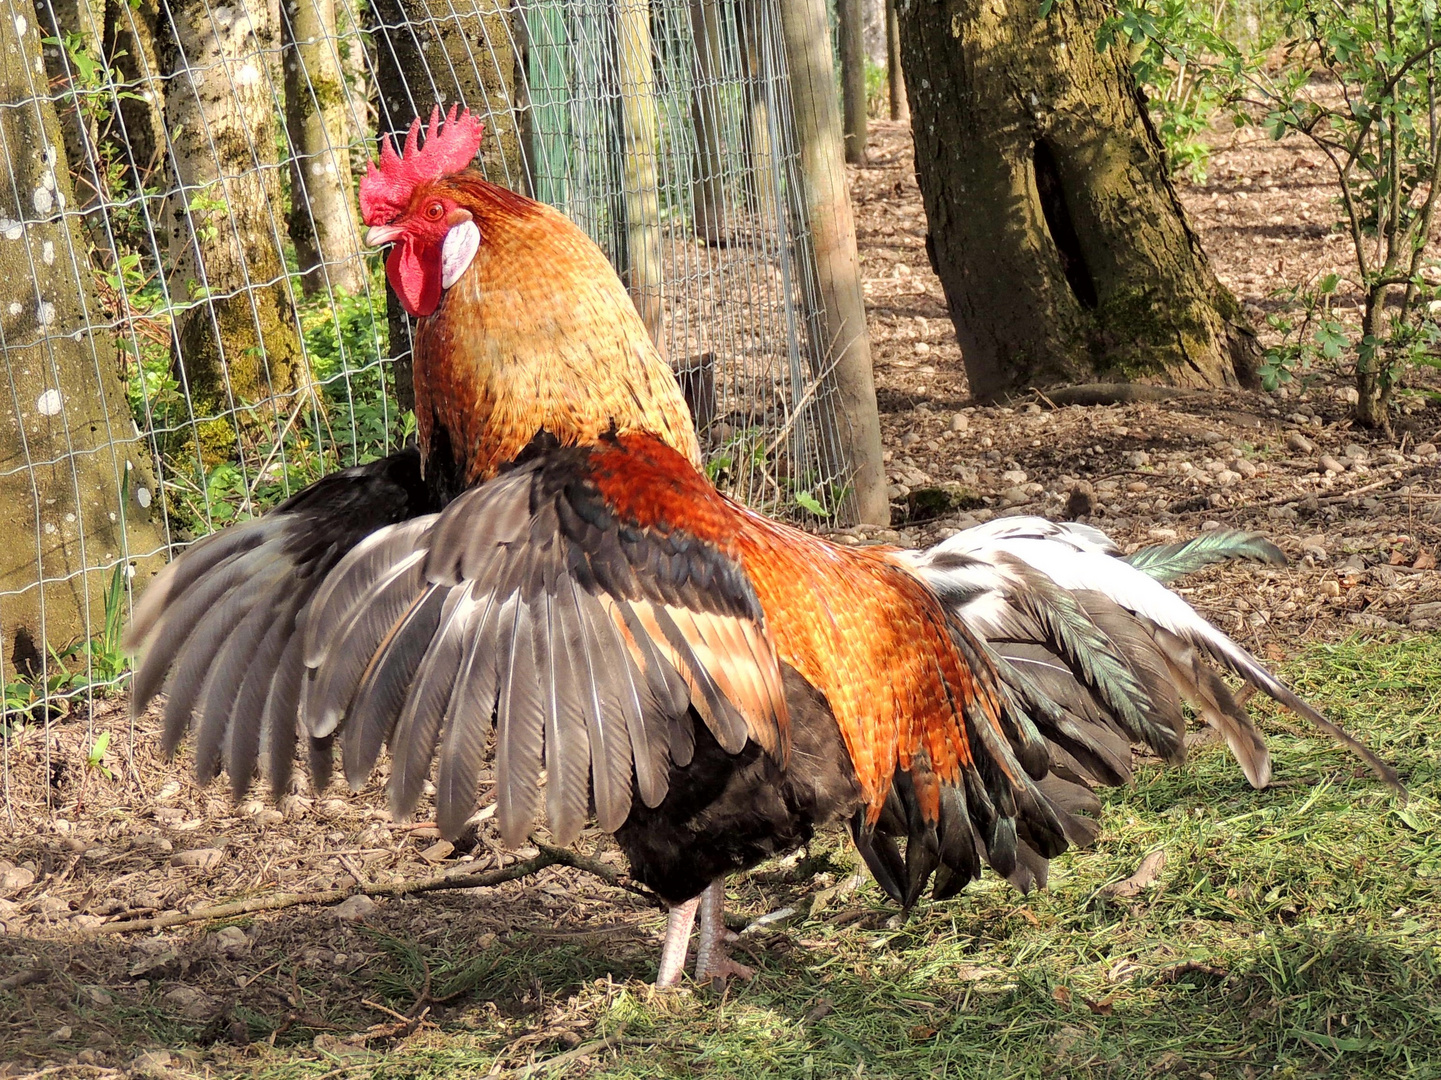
[549,580]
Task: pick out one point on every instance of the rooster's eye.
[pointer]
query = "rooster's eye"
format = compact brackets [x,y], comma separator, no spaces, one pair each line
[434,212]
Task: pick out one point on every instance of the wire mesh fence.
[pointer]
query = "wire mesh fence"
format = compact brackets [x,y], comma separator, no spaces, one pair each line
[192,328]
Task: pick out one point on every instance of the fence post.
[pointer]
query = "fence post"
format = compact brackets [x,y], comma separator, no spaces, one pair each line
[895,75]
[833,236]
[639,133]
[850,28]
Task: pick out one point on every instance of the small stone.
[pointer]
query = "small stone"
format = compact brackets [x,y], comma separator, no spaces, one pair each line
[152,1064]
[1425,450]
[61,1034]
[897,492]
[189,1001]
[97,995]
[909,439]
[1165,536]
[355,908]
[15,879]
[230,941]
[1355,452]
[269,817]
[438,851]
[1331,464]
[1210,526]
[201,858]
[1137,486]
[1331,587]
[960,422]
[1226,477]
[1015,496]
[1210,437]
[1299,443]
[1079,503]
[1244,468]
[1013,477]
[1138,459]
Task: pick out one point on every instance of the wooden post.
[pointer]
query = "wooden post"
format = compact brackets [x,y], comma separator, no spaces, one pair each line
[895,76]
[851,30]
[833,236]
[548,85]
[705,109]
[639,134]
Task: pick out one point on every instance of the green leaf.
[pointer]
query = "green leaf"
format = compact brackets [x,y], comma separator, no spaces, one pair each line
[809,503]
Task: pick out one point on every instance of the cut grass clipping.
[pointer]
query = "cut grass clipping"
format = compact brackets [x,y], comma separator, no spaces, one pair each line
[1290,932]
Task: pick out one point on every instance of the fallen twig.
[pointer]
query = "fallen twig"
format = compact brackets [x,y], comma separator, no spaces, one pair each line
[549,856]
[24,978]
[540,1068]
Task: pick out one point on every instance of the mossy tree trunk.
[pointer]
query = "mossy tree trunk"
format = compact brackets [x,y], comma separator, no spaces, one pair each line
[324,222]
[438,52]
[140,131]
[67,441]
[1057,235]
[240,344]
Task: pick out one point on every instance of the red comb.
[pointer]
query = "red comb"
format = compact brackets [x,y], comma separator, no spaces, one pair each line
[385,190]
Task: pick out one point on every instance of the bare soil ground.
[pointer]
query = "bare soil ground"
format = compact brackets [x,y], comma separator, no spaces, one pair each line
[492,979]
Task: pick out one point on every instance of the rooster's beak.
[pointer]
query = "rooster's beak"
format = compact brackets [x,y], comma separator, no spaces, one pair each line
[380,235]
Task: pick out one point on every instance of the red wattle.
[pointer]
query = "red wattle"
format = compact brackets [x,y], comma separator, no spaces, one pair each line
[414,274]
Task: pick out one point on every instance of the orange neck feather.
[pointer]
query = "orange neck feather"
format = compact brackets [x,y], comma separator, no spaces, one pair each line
[538,334]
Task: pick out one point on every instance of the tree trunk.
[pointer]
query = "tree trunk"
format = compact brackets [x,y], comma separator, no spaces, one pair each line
[705,110]
[240,345]
[140,139]
[851,31]
[837,265]
[323,221]
[475,65]
[895,76]
[641,259]
[1063,249]
[67,442]
[80,24]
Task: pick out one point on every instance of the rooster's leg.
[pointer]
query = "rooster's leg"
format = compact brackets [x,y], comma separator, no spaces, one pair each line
[677,940]
[711,959]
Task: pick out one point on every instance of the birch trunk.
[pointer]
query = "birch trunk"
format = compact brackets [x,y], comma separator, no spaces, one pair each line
[240,344]
[67,441]
[324,222]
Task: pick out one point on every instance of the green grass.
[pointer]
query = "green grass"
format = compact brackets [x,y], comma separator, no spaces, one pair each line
[1294,932]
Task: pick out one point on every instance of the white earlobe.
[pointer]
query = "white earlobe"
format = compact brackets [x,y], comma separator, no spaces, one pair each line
[461,244]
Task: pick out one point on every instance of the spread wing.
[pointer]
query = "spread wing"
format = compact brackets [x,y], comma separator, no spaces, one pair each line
[219,627]
[528,619]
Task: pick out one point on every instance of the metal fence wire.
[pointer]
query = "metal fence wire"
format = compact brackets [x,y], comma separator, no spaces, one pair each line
[192,329]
